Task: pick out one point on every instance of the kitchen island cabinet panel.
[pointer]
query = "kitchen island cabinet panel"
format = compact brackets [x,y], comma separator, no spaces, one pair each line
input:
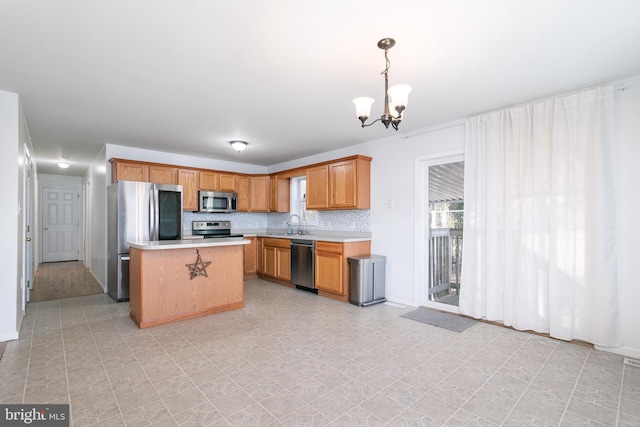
[162,291]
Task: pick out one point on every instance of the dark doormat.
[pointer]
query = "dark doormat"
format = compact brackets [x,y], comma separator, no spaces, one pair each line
[440,319]
[2,346]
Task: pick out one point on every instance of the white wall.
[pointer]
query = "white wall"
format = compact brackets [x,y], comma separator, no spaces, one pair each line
[11,246]
[627,111]
[96,211]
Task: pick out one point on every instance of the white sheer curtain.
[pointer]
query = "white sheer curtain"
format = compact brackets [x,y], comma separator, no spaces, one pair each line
[539,224]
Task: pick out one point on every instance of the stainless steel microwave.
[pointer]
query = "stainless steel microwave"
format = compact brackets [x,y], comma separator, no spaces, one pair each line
[217,201]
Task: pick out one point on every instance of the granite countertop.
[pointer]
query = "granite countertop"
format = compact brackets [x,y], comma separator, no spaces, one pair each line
[187,243]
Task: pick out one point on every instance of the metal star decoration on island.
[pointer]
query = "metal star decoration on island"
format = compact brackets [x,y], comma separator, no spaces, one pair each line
[198,268]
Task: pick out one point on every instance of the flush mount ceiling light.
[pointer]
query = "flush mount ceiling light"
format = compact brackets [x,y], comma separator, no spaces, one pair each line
[64,164]
[399,94]
[239,145]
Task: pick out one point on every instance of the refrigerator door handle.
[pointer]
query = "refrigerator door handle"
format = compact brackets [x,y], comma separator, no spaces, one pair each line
[154,214]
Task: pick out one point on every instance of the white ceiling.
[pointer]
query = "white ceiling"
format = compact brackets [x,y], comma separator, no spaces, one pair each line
[188,76]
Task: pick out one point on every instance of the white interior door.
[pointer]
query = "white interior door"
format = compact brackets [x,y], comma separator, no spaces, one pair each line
[60,224]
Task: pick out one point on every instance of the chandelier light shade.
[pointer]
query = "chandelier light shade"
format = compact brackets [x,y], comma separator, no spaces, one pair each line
[395,97]
[239,145]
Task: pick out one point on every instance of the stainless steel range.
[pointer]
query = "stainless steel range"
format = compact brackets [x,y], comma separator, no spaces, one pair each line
[213,229]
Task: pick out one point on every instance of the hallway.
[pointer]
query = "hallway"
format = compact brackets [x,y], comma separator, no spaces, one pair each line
[58,280]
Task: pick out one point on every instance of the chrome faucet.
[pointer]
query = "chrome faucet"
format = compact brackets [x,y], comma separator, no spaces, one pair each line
[289,222]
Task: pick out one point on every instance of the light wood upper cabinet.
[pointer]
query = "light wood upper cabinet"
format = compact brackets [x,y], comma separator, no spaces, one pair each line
[189,179]
[344,184]
[243,193]
[341,184]
[318,187]
[259,190]
[122,170]
[209,180]
[163,174]
[350,184]
[279,201]
[228,182]
[253,193]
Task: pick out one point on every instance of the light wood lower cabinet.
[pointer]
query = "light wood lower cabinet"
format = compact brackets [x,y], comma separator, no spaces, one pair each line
[332,266]
[251,258]
[276,258]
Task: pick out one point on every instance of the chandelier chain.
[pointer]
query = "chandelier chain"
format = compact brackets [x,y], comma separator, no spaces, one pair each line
[387,62]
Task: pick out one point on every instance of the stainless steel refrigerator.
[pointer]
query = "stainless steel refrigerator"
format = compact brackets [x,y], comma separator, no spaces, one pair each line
[138,212]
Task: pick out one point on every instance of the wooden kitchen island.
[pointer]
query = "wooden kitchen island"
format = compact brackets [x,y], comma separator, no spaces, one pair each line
[169,282]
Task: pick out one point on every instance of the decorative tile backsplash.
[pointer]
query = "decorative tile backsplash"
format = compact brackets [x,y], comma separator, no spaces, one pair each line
[342,220]
[239,220]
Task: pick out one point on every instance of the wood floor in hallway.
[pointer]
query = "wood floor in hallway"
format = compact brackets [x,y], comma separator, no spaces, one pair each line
[58,280]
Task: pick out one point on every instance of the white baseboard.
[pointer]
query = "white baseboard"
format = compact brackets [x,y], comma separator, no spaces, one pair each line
[623,351]
[402,301]
[8,336]
[104,288]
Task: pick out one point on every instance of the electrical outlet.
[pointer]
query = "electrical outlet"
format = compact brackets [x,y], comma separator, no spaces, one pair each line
[390,203]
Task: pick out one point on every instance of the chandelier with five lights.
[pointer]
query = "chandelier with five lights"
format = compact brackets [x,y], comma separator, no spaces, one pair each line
[395,97]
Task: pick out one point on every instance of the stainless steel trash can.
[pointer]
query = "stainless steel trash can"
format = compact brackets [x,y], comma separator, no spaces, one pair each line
[366,279]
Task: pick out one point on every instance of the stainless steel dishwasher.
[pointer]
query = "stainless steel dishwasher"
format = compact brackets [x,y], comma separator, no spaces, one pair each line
[302,264]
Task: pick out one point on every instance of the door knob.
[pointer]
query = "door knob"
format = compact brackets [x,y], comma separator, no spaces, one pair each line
[28,239]
[45,229]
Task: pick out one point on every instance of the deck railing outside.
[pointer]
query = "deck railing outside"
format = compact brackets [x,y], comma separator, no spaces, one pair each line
[445,262]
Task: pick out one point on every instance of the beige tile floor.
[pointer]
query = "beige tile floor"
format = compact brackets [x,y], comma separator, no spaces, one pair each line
[291,358]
